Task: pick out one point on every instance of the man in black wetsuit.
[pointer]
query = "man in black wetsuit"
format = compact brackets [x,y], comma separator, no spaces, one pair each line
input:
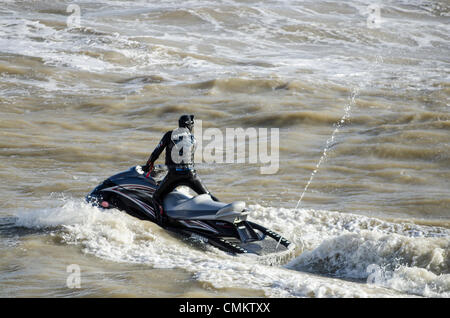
[180,145]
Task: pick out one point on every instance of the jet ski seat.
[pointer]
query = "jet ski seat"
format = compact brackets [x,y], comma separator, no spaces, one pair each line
[179,205]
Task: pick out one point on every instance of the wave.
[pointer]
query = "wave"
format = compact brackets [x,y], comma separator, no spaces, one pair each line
[241,85]
[395,151]
[410,259]
[409,264]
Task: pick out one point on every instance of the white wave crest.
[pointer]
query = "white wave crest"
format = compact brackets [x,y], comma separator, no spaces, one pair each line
[335,244]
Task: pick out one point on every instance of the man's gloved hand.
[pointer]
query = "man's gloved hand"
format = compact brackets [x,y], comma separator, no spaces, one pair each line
[147,168]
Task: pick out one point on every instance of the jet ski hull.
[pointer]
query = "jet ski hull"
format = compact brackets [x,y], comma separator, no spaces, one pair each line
[224,226]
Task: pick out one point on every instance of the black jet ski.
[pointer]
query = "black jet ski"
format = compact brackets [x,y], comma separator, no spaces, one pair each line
[198,217]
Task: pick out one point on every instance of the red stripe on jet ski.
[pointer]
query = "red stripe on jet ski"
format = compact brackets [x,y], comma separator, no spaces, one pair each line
[141,204]
[138,186]
[198,225]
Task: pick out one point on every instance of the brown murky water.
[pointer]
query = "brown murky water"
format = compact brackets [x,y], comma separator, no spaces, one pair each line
[359,93]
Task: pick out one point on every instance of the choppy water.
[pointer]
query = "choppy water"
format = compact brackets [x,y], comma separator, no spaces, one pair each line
[361,98]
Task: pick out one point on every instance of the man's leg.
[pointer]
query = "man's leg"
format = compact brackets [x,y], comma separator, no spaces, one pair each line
[197,185]
[167,185]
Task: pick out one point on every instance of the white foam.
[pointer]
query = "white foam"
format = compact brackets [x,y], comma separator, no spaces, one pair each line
[361,241]
[255,31]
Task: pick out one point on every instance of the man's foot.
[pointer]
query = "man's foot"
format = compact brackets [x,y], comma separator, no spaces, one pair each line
[213,197]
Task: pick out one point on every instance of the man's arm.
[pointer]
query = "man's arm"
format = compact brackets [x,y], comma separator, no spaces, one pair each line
[159,149]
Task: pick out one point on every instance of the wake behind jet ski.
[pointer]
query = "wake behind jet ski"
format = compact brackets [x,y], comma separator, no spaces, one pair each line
[222,225]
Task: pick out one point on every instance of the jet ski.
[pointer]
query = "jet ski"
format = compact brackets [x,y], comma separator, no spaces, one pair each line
[196,217]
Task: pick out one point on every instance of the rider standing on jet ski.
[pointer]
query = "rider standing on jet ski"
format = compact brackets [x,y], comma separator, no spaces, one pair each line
[180,145]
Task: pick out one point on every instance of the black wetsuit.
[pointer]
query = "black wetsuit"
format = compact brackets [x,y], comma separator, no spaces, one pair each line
[180,146]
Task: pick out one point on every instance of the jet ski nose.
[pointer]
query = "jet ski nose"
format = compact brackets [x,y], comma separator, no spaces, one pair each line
[105,204]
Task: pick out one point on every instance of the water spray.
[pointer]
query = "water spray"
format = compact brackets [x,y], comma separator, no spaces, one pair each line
[347,111]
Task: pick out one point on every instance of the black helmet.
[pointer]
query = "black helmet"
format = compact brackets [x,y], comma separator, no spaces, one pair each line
[186,121]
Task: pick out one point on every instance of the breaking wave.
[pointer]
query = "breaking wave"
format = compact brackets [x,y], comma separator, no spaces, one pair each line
[404,258]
